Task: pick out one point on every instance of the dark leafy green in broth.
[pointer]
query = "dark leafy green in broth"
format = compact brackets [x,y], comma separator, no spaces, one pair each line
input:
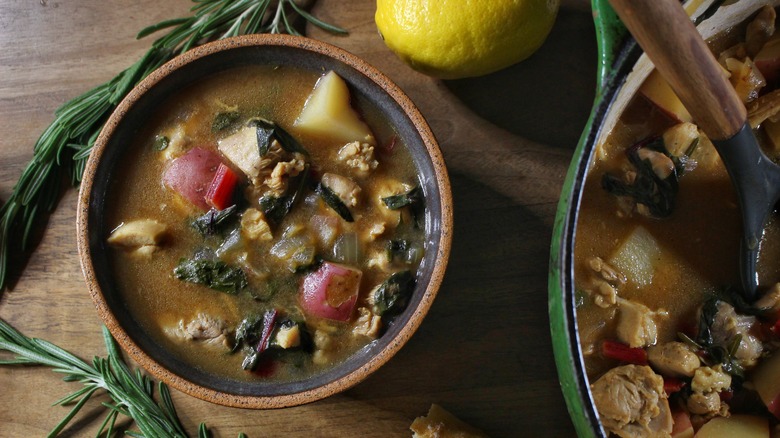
[227,252]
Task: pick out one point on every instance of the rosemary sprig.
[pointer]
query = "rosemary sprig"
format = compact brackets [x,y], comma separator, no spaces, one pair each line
[64,146]
[132,393]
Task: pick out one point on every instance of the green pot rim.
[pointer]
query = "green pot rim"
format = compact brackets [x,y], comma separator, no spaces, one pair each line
[618,52]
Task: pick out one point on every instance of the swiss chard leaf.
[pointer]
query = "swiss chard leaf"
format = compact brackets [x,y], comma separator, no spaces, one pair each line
[414,199]
[409,198]
[214,274]
[255,334]
[403,250]
[224,120]
[392,296]
[264,138]
[657,194]
[214,221]
[334,202]
[267,131]
[246,331]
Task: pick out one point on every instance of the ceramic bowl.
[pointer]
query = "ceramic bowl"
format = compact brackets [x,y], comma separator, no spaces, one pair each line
[622,69]
[370,85]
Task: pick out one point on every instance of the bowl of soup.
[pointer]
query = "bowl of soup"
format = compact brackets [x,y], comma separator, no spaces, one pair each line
[652,336]
[264,221]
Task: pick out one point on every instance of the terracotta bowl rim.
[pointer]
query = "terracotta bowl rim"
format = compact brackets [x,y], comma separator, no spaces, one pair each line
[374,362]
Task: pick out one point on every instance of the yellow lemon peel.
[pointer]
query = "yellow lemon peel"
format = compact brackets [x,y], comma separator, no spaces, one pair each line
[452,39]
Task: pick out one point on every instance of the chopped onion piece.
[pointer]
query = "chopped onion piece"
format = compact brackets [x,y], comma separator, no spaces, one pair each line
[232,242]
[325,228]
[347,249]
[297,250]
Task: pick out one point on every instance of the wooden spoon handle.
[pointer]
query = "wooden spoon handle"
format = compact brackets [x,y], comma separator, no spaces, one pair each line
[667,35]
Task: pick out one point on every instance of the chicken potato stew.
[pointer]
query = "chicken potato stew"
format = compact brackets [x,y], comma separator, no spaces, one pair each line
[670,347]
[269,225]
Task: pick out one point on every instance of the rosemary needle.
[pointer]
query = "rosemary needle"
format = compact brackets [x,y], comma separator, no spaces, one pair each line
[64,146]
[132,393]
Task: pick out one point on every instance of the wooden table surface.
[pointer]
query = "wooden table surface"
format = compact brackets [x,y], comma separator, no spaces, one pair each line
[483,352]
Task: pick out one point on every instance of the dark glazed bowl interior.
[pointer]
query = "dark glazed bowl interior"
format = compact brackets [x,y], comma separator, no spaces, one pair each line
[130,117]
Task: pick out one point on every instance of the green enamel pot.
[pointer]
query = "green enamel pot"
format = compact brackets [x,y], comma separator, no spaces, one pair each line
[622,68]
[617,53]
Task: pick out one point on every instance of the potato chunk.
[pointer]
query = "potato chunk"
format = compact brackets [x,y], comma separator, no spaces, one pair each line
[637,256]
[636,324]
[744,426]
[327,113]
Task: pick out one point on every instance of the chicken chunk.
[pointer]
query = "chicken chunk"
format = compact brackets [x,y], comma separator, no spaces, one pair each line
[603,282]
[606,271]
[662,165]
[359,156]
[704,404]
[605,294]
[706,385]
[727,325]
[143,236]
[347,190]
[710,379]
[254,225]
[378,260]
[323,347]
[203,328]
[288,337]
[368,324]
[673,359]
[632,403]
[377,230]
[636,324]
[283,171]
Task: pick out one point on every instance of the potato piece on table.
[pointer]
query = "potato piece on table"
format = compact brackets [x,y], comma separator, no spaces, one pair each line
[441,424]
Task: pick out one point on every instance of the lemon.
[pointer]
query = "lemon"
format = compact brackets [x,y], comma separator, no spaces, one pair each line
[453,39]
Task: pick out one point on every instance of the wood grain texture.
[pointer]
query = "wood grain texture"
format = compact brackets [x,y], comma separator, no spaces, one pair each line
[669,38]
[483,352]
